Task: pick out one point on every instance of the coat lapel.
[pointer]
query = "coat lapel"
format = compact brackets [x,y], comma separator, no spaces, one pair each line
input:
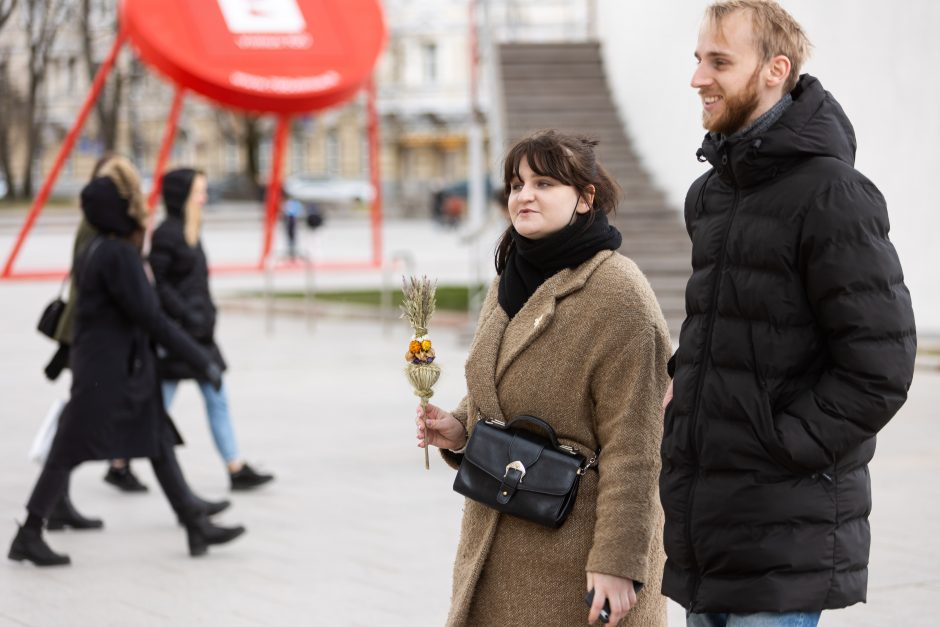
[499,340]
[481,362]
[538,313]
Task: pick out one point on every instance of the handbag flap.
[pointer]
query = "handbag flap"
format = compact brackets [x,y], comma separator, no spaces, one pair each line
[547,471]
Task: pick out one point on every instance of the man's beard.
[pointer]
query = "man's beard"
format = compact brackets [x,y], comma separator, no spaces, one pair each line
[737,110]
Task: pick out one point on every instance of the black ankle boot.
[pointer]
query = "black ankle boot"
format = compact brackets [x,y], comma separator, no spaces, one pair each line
[201,533]
[65,515]
[209,508]
[29,545]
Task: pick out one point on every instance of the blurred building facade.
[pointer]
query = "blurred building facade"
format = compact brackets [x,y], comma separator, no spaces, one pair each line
[423,80]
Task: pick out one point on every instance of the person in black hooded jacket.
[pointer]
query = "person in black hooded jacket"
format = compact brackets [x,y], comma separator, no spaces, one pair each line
[115,409]
[798,344]
[181,272]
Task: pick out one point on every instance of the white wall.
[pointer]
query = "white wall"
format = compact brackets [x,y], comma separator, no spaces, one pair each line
[880,60]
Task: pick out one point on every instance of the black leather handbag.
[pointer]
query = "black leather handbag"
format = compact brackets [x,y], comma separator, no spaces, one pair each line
[521,473]
[51,315]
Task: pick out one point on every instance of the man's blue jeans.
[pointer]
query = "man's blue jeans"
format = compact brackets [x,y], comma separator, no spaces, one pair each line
[220,421]
[761,619]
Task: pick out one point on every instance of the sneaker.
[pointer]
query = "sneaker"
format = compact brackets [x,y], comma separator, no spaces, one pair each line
[124,480]
[248,478]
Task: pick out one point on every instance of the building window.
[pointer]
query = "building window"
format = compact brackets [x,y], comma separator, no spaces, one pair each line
[365,170]
[230,155]
[298,153]
[429,62]
[72,75]
[332,152]
[264,158]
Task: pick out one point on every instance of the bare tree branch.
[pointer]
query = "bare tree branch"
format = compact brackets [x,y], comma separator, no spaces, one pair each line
[98,20]
[6,10]
[44,19]
[11,111]
[7,104]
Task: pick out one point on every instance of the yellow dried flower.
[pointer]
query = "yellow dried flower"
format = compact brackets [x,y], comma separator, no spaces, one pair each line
[426,345]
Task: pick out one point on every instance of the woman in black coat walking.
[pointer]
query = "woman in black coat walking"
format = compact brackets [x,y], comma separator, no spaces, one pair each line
[116,409]
[181,274]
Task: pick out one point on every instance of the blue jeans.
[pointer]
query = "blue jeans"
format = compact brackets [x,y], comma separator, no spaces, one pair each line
[220,421]
[760,619]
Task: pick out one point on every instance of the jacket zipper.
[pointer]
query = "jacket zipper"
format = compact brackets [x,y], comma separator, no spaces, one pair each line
[698,398]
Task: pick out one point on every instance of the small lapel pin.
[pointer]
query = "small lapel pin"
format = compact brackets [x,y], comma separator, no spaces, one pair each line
[537,322]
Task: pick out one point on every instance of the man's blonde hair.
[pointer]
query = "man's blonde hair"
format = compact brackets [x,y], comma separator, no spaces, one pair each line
[775,32]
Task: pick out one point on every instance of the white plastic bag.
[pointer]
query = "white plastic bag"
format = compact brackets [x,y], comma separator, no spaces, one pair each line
[46,433]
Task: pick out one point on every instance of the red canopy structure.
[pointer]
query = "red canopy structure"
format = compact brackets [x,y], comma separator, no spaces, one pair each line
[264,56]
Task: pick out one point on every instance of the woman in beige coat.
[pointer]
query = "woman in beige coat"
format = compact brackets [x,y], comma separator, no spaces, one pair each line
[570,332]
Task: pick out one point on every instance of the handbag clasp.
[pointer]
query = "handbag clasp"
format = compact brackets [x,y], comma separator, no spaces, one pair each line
[516,465]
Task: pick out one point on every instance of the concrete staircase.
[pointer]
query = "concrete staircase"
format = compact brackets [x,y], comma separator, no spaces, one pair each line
[563,86]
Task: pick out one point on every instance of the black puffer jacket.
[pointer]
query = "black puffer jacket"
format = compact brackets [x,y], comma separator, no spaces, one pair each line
[182,277]
[798,346]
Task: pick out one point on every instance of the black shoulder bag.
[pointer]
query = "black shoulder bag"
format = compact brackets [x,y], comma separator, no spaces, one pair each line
[52,314]
[519,472]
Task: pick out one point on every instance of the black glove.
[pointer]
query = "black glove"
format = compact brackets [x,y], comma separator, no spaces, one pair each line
[214,375]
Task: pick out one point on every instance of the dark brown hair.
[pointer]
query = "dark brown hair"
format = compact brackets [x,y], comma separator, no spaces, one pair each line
[570,160]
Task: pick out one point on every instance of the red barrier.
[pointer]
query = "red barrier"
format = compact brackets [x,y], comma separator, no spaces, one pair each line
[274,187]
[284,57]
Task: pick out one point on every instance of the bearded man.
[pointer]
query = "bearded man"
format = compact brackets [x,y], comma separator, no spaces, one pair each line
[797,348]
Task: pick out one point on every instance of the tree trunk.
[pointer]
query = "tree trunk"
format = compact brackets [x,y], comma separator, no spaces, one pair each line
[251,139]
[137,144]
[108,105]
[7,113]
[32,137]
[110,116]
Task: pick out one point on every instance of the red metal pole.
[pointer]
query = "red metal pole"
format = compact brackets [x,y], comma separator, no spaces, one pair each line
[274,186]
[40,200]
[374,172]
[166,145]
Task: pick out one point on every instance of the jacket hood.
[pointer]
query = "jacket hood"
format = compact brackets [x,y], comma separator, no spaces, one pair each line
[176,186]
[813,126]
[105,208]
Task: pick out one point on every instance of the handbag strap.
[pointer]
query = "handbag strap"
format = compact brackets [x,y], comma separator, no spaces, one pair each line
[536,422]
[82,261]
[65,281]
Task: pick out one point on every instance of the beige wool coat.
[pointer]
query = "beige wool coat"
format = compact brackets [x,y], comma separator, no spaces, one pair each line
[588,354]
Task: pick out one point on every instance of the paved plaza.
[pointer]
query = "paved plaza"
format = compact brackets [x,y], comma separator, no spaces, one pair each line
[354,531]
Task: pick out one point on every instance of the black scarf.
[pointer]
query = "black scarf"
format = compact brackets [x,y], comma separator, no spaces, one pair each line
[532,261]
